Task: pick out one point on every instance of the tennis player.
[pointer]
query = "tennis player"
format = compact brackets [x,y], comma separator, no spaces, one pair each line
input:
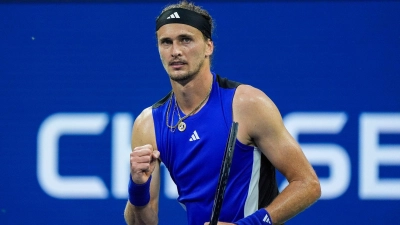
[187,130]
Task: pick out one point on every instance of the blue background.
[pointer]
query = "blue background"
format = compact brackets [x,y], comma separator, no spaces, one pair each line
[308,56]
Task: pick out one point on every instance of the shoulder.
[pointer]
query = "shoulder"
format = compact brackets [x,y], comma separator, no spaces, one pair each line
[143,128]
[248,97]
[256,113]
[145,117]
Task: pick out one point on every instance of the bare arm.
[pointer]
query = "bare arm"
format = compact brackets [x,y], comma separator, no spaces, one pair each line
[144,161]
[261,125]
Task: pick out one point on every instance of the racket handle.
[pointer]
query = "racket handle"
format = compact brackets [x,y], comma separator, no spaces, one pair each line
[224,174]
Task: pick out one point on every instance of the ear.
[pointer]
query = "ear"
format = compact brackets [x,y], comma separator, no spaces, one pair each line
[209,47]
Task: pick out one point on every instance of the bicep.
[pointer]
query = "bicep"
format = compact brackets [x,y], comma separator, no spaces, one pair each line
[276,143]
[284,153]
[143,133]
[143,130]
[264,128]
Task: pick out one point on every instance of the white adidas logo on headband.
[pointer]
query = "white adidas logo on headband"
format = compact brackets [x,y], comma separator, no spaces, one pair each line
[173,15]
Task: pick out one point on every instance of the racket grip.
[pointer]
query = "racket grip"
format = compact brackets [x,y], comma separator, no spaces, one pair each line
[224,174]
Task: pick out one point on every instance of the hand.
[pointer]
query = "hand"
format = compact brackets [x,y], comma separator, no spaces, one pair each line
[143,160]
[220,223]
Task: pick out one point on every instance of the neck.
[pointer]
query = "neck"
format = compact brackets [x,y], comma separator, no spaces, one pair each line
[191,94]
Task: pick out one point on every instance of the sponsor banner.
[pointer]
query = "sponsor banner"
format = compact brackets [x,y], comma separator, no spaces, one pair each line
[75,76]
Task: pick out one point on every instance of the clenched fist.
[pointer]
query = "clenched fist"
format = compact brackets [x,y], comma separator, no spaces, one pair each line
[143,160]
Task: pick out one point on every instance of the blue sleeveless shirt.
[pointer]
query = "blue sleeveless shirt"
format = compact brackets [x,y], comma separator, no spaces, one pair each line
[194,158]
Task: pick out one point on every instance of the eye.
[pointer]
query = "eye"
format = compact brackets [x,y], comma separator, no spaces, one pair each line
[165,42]
[186,40]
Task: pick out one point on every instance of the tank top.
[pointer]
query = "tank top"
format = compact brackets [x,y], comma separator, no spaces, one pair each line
[194,158]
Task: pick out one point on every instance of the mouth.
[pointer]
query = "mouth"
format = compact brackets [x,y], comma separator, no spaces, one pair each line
[177,64]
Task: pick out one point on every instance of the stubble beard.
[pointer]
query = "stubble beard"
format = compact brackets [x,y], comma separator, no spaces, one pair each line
[188,76]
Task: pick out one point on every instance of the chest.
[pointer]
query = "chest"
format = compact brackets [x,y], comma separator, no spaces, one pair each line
[199,148]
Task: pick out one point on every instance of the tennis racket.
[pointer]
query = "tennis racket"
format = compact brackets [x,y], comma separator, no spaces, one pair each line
[224,174]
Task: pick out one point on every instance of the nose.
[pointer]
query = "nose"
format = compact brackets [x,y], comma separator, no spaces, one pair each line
[176,50]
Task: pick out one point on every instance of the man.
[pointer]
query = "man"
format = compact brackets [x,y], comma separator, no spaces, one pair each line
[187,130]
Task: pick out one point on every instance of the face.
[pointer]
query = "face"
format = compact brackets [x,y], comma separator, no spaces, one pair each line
[183,51]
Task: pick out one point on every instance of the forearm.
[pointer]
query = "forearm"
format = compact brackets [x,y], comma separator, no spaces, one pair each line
[296,197]
[140,215]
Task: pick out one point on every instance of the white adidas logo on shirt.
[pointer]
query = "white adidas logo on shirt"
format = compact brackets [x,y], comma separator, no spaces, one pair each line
[173,15]
[194,137]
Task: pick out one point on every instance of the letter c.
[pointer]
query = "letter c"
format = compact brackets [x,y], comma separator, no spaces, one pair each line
[49,134]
